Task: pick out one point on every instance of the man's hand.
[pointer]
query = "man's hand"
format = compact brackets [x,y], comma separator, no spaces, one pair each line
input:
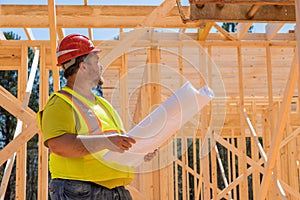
[150,156]
[119,143]
[74,146]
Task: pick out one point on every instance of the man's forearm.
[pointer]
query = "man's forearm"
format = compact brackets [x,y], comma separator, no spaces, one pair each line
[71,145]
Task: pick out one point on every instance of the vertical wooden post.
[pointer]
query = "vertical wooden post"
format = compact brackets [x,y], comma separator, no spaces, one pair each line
[150,98]
[22,153]
[53,41]
[204,138]
[242,141]
[124,104]
[267,138]
[297,5]
[291,161]
[43,151]
[176,175]
[255,152]
[184,171]
[155,93]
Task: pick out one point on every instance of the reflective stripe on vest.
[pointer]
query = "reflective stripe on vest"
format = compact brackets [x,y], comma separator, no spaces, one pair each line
[92,121]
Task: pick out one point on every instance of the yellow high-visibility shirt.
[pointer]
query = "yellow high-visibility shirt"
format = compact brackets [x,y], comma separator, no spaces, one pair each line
[61,116]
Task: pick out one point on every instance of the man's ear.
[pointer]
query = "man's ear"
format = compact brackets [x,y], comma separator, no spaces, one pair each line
[82,65]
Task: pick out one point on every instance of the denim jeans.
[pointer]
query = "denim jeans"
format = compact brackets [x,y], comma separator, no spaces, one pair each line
[60,189]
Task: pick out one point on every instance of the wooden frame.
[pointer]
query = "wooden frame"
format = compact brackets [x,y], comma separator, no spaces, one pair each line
[259,72]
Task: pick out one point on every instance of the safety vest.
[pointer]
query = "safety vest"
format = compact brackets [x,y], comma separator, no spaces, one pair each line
[91,167]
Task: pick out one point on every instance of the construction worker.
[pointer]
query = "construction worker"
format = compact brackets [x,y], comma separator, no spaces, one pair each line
[79,127]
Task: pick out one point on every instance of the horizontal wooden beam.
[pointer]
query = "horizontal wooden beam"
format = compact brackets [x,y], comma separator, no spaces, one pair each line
[261,2]
[12,46]
[16,16]
[238,13]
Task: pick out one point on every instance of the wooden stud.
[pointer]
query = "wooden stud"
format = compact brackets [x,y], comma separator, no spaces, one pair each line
[43,151]
[124,111]
[91,35]
[22,152]
[272,155]
[242,142]
[53,41]
[297,7]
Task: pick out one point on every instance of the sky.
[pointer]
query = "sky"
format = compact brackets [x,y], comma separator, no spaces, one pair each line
[105,33]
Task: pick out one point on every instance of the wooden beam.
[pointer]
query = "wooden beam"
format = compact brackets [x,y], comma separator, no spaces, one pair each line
[298,40]
[255,137]
[14,106]
[43,151]
[290,190]
[250,40]
[123,84]
[141,30]
[204,31]
[20,16]
[236,151]
[29,33]
[221,167]
[224,32]
[266,13]
[281,122]
[253,10]
[53,41]
[260,2]
[272,29]
[22,153]
[242,164]
[16,143]
[158,13]
[242,30]
[262,152]
[91,35]
[61,33]
[290,137]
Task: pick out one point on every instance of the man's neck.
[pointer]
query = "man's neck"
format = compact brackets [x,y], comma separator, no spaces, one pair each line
[82,90]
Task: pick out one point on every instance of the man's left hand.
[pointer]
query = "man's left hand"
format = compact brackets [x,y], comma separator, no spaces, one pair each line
[149,156]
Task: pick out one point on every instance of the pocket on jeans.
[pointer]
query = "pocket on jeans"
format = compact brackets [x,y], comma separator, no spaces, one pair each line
[77,189]
[54,194]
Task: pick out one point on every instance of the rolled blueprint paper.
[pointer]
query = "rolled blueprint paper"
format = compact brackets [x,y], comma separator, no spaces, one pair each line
[162,123]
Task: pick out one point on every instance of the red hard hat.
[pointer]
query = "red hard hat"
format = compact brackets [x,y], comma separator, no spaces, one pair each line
[73,46]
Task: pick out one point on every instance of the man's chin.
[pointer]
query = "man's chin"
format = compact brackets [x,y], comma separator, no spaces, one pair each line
[100,82]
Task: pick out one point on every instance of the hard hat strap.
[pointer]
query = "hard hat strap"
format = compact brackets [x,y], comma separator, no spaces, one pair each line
[68,64]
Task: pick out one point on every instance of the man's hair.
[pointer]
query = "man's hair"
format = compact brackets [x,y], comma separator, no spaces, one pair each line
[74,68]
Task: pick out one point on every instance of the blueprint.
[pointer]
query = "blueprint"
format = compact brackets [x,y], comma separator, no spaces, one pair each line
[161,124]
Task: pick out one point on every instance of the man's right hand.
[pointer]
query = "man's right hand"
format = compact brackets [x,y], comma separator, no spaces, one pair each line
[119,143]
